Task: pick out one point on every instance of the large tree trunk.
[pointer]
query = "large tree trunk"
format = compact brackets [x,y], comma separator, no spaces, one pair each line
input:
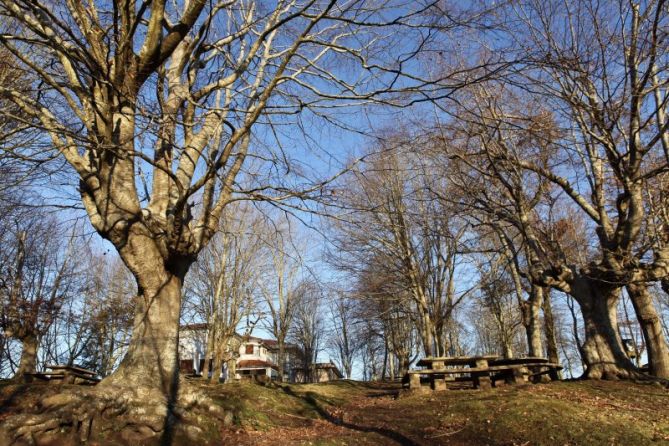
[281,359]
[151,362]
[651,326]
[28,362]
[217,364]
[549,328]
[427,333]
[602,349]
[531,322]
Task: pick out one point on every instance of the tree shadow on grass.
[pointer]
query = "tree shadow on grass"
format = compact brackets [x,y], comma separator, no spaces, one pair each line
[310,399]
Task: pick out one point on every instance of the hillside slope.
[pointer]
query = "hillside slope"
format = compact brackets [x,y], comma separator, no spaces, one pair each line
[355,413]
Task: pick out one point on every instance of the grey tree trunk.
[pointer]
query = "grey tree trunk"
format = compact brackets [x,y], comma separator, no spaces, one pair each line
[651,326]
[531,320]
[281,359]
[152,361]
[549,328]
[602,348]
[28,362]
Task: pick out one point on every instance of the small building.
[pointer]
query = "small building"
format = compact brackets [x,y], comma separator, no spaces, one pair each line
[257,357]
[251,356]
[317,373]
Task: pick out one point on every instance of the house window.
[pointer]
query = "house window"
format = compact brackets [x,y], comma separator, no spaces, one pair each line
[249,349]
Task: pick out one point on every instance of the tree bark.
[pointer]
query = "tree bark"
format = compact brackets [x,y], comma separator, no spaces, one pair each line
[549,328]
[281,359]
[531,321]
[28,362]
[651,326]
[151,362]
[217,364]
[209,350]
[602,348]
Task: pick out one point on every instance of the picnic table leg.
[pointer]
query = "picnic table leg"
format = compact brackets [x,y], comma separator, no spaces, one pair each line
[439,382]
[414,381]
[519,375]
[482,379]
[554,374]
[69,378]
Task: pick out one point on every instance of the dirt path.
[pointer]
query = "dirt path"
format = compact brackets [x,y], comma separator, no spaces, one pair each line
[366,420]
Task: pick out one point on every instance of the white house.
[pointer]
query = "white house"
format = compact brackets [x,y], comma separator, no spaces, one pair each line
[253,357]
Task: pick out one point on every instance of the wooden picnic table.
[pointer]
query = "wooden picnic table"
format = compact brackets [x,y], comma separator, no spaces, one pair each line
[440,362]
[482,371]
[67,374]
[441,369]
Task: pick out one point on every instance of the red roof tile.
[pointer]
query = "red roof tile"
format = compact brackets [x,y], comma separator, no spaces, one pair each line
[254,364]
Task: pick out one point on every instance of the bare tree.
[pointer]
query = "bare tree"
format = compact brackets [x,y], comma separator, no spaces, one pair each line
[343,337]
[35,287]
[153,105]
[616,142]
[222,282]
[108,311]
[282,288]
[308,328]
[394,227]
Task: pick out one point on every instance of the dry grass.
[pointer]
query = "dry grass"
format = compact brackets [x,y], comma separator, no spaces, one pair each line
[353,413]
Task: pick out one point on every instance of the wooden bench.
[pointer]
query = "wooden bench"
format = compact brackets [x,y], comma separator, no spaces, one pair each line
[67,374]
[479,376]
[482,377]
[46,376]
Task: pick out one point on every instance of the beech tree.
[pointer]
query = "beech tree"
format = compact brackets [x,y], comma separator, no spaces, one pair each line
[343,335]
[152,104]
[617,138]
[308,328]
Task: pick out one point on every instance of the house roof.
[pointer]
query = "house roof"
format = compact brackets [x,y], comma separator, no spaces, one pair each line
[267,342]
[255,364]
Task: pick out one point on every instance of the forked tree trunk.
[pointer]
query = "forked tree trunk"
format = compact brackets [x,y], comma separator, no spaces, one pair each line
[651,326]
[28,362]
[602,348]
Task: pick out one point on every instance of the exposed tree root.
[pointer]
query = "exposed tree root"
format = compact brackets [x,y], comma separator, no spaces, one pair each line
[114,414]
[616,373]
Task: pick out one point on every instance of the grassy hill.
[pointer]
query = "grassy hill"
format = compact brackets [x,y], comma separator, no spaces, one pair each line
[346,412]
[354,413]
